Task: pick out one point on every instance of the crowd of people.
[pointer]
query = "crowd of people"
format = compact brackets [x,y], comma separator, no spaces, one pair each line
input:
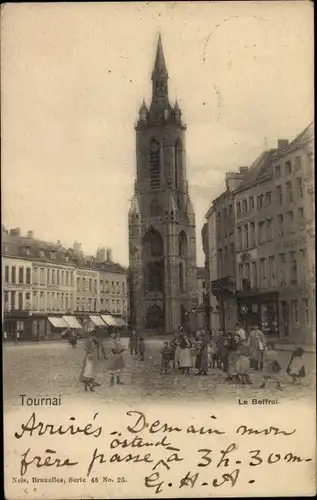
[237,354]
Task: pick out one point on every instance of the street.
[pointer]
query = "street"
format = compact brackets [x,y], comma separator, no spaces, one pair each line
[52,368]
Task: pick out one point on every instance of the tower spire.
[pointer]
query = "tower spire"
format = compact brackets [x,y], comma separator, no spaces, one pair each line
[159,74]
[160,65]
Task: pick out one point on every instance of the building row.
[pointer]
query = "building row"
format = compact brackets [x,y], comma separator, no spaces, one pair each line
[44,283]
[259,244]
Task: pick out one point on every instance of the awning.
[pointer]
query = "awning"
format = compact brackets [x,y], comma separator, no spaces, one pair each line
[110,320]
[97,320]
[72,322]
[57,322]
[121,322]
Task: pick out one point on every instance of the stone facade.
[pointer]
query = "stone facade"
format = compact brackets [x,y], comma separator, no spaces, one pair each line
[162,242]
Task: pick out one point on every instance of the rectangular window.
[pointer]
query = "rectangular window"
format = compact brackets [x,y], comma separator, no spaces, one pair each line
[263,272]
[299,187]
[21,275]
[101,285]
[293,268]
[251,203]
[78,284]
[58,277]
[13,300]
[90,285]
[244,206]
[20,301]
[240,275]
[48,275]
[238,208]
[28,276]
[303,264]
[290,220]
[246,236]
[62,278]
[289,192]
[13,274]
[306,311]
[6,275]
[254,275]
[288,168]
[279,194]
[269,230]
[272,276]
[277,171]
[268,198]
[42,276]
[294,304]
[6,300]
[239,238]
[301,219]
[53,277]
[282,269]
[252,235]
[123,288]
[259,201]
[261,232]
[280,224]
[297,163]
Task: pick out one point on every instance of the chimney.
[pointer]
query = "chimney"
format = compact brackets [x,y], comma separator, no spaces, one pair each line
[109,255]
[59,244]
[15,232]
[282,143]
[30,234]
[243,169]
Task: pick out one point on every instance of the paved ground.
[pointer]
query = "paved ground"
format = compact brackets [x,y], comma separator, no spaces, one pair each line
[49,369]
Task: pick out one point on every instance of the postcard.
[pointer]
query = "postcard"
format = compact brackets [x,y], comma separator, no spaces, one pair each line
[158,250]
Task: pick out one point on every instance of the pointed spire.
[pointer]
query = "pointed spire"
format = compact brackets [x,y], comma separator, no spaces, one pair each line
[160,65]
[176,107]
[143,106]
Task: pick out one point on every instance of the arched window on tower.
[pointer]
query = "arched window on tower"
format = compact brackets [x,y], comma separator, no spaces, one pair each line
[182,245]
[177,162]
[154,165]
[155,209]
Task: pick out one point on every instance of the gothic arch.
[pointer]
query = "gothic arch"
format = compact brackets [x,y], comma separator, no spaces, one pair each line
[177,162]
[152,244]
[154,164]
[153,261]
[182,245]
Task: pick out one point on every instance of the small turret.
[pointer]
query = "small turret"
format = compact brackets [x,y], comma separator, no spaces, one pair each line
[143,112]
[134,207]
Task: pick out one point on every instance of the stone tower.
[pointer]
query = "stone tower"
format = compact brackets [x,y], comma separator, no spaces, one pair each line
[162,242]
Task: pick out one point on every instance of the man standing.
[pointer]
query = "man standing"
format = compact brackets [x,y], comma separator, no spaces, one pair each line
[241,331]
[256,344]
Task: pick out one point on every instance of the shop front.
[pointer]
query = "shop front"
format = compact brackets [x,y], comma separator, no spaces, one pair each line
[261,309]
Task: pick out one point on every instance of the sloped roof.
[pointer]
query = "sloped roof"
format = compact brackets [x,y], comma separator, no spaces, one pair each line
[259,169]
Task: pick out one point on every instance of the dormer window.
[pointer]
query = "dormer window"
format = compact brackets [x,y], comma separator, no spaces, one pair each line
[6,247]
[53,255]
[42,253]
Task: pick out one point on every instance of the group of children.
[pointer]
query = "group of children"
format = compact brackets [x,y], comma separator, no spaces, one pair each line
[234,356]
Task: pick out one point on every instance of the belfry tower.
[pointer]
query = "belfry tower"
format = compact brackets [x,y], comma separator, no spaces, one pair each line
[162,242]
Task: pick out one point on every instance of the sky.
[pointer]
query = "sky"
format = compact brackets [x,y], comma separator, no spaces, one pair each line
[73,79]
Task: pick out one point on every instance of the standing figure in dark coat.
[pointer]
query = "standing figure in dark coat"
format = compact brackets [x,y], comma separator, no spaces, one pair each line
[133,343]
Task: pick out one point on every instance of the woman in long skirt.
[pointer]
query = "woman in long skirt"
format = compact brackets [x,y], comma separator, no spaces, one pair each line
[185,360]
[88,371]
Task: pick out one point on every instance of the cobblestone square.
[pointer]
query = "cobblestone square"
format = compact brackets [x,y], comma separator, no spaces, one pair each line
[50,369]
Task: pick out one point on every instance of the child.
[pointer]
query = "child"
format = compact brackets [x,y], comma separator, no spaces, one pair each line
[165,358]
[243,363]
[296,367]
[116,361]
[212,354]
[271,367]
[141,348]
[89,373]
